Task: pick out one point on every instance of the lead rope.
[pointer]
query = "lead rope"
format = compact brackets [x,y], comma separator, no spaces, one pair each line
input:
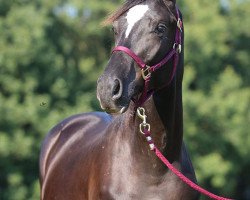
[145,130]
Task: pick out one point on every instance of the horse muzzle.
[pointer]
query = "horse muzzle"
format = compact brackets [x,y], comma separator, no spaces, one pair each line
[110,93]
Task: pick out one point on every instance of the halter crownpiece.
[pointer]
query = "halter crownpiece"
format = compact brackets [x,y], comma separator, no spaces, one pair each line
[147,70]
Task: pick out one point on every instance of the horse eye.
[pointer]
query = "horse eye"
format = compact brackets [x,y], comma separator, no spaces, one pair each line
[160,29]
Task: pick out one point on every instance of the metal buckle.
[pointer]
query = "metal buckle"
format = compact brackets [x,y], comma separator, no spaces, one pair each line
[177,47]
[146,74]
[179,24]
[141,114]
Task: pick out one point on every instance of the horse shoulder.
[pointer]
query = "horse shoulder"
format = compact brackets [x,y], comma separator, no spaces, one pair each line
[82,126]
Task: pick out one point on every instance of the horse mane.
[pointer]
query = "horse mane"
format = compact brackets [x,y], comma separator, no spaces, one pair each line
[129,4]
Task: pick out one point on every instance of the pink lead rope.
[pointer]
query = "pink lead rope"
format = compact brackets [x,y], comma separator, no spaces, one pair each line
[145,130]
[185,179]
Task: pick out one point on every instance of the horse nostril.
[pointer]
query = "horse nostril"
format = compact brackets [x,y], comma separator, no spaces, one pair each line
[117,89]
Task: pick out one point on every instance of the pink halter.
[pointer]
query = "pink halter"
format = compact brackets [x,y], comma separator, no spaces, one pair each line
[147,70]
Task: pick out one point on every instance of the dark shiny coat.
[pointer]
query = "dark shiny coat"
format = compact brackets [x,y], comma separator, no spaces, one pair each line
[95,156]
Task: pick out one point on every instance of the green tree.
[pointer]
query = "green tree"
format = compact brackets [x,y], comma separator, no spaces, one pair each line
[217,94]
[51,53]
[217,132]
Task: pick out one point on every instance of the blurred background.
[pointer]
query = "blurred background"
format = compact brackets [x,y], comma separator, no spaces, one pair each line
[51,53]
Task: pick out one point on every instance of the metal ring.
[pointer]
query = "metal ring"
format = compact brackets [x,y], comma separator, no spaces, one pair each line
[179,24]
[177,47]
[143,127]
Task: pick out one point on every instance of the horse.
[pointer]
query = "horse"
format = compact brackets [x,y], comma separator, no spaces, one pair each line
[104,155]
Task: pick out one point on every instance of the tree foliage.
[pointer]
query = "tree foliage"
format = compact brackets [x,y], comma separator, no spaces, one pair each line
[51,53]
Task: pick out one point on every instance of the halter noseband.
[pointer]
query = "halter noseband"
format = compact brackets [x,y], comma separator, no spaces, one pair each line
[147,70]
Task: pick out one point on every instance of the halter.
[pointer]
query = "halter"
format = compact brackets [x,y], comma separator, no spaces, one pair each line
[147,70]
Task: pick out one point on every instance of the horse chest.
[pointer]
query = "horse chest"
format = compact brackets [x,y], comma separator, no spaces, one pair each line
[127,186]
[124,178]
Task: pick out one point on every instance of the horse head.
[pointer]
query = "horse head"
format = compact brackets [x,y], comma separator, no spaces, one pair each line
[148,29]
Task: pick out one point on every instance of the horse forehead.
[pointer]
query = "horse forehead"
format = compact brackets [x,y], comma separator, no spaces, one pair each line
[134,15]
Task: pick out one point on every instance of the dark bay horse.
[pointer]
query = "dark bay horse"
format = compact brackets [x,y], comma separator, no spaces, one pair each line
[100,156]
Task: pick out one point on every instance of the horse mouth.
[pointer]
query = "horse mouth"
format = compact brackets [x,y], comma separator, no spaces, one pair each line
[115,111]
[121,105]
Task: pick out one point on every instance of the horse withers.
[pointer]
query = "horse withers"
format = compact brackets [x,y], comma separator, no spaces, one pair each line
[101,156]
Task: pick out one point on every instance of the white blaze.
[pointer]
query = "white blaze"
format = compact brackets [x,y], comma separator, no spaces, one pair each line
[134,15]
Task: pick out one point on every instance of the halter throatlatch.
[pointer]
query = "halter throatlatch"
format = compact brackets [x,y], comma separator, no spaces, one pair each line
[147,70]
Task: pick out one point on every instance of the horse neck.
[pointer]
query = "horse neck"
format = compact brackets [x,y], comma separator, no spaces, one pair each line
[164,114]
[168,104]
[166,107]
